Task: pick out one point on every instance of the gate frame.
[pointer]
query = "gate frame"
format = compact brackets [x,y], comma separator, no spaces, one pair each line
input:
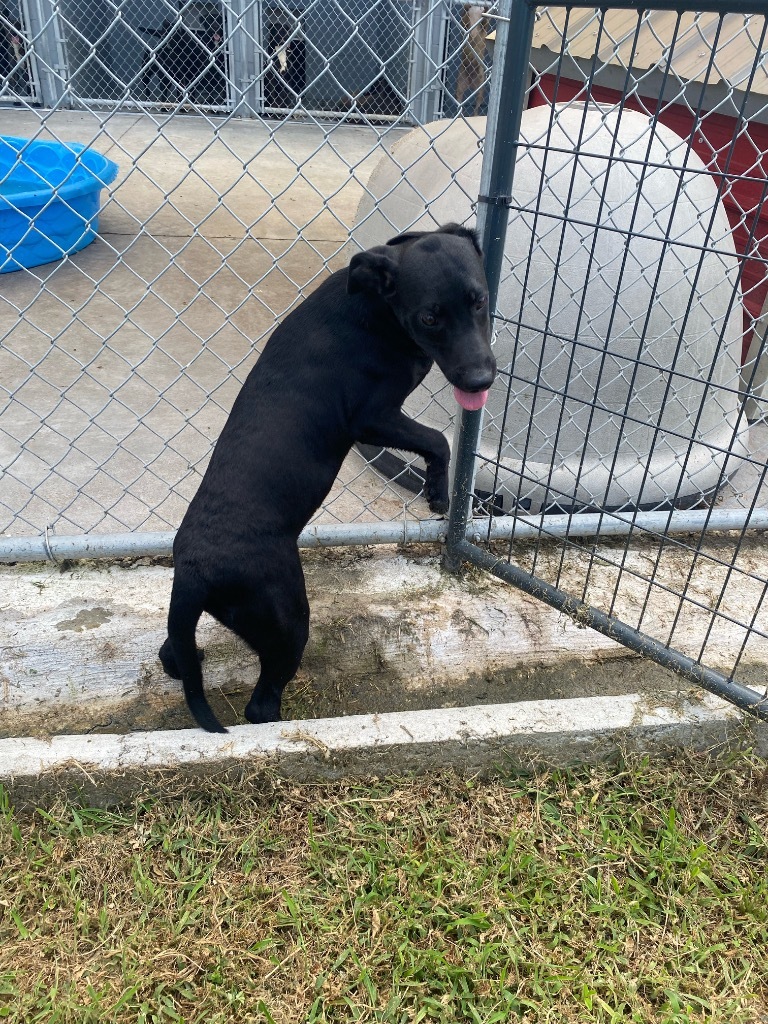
[514,40]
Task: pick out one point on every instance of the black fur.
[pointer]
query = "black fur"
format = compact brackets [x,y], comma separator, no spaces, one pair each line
[336,371]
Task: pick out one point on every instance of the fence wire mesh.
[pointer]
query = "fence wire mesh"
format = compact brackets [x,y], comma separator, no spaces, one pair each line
[119,363]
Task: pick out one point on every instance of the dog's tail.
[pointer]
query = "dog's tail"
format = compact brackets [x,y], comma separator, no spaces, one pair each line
[186,608]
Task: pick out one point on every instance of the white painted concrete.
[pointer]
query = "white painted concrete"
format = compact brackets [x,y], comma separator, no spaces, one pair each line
[78,648]
[110,767]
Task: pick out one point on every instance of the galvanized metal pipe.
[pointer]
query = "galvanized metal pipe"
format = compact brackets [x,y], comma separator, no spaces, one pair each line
[616,524]
[505,112]
[427,531]
[676,6]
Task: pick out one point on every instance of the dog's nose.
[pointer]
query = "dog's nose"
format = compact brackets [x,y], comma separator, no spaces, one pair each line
[478,378]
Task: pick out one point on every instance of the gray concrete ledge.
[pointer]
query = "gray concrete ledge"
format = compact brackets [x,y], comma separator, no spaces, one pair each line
[85,705]
[109,768]
[390,633]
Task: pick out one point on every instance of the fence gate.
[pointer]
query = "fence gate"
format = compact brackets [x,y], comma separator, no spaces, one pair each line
[625,308]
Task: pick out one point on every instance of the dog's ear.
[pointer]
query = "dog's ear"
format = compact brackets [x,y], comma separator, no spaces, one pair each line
[462,232]
[408,236]
[445,229]
[374,270]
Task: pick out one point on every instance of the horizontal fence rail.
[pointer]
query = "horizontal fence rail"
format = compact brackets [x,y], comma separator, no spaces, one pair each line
[51,547]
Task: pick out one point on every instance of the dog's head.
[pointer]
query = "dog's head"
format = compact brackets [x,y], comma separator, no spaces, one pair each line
[435,285]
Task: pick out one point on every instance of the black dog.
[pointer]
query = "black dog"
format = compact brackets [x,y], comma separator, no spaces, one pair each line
[336,371]
[379,98]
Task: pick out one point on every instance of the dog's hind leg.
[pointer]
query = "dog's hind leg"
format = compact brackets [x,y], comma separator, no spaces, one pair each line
[168,659]
[280,646]
[179,654]
[276,627]
[280,658]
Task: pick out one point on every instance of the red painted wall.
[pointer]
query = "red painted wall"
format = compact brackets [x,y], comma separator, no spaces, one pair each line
[743,178]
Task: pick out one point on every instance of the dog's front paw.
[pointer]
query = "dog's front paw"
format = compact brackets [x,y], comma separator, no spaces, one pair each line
[439,506]
[436,493]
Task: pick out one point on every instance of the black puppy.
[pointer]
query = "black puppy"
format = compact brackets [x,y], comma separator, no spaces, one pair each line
[336,371]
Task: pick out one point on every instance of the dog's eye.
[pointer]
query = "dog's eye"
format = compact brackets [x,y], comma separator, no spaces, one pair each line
[428,319]
[479,303]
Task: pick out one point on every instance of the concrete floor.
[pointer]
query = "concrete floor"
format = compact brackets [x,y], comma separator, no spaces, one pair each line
[122,362]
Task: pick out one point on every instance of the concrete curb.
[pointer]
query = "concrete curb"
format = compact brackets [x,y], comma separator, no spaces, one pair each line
[108,768]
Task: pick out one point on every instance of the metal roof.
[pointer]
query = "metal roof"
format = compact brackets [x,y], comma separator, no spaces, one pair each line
[646,39]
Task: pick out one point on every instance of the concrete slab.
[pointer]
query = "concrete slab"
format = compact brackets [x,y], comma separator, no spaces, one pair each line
[407,668]
[389,632]
[217,178]
[123,361]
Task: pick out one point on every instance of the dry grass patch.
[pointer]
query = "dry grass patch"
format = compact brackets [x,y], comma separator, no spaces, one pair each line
[632,891]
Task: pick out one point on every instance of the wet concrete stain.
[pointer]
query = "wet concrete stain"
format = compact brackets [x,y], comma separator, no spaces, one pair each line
[87,618]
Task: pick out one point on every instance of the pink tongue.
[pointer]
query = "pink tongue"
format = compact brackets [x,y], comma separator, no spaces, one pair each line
[470,400]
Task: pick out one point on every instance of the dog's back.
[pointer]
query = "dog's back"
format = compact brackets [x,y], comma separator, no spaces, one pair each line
[290,427]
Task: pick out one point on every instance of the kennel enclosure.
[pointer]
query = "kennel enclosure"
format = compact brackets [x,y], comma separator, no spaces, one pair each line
[636,357]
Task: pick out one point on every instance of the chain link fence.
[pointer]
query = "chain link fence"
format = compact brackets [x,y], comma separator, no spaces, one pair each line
[120,362]
[259,144]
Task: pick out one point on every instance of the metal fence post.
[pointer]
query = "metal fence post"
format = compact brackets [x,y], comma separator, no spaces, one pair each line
[514,37]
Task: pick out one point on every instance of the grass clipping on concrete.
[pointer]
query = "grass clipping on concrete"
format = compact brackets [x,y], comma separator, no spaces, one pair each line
[632,891]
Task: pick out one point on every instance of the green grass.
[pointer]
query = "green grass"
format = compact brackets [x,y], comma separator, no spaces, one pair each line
[634,891]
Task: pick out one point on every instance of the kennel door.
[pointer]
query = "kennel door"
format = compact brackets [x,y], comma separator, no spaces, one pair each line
[338,58]
[18,68]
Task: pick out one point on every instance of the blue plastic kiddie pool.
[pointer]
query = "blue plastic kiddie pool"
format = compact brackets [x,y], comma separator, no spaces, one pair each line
[49,200]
